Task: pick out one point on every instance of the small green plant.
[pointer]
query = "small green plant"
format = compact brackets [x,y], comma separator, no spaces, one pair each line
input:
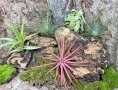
[6,73]
[47,27]
[38,74]
[18,44]
[75,20]
[97,29]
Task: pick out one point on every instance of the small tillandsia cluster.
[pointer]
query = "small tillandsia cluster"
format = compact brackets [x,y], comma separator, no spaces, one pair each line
[18,43]
[47,27]
[97,29]
[65,61]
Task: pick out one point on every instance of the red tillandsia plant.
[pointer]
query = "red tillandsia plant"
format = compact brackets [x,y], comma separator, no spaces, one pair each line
[65,61]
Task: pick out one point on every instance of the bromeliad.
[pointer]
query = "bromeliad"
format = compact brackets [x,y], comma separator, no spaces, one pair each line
[65,61]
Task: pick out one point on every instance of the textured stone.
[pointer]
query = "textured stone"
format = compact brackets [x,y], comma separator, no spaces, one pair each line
[13,10]
[4,87]
[19,60]
[82,71]
[43,41]
[57,8]
[64,32]
[44,88]
[17,84]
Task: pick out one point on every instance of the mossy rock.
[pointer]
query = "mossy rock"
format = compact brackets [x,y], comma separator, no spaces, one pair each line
[111,78]
[6,73]
[92,86]
[109,81]
[39,74]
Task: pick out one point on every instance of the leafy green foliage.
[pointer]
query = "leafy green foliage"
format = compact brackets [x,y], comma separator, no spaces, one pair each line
[97,29]
[18,44]
[38,74]
[6,72]
[75,20]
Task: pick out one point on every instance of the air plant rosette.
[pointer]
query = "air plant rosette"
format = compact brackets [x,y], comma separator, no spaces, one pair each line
[65,61]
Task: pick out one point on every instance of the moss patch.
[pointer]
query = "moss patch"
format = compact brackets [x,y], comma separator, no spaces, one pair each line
[91,86]
[39,74]
[6,73]
[109,82]
[111,78]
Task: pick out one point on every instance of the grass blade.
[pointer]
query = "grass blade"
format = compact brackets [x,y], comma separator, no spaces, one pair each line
[7,39]
[30,36]
[15,50]
[22,29]
[3,45]
[13,29]
[31,47]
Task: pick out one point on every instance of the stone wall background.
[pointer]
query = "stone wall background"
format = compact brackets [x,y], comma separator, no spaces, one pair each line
[107,10]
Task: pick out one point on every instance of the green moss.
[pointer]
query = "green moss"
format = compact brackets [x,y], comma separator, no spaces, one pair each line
[109,82]
[91,86]
[6,72]
[111,78]
[39,74]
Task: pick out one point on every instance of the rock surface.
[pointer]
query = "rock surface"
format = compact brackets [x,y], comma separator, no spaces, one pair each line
[59,10]
[19,60]
[12,11]
[66,33]
[45,43]
[18,84]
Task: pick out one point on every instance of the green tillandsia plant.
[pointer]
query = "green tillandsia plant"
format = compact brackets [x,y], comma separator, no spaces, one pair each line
[75,20]
[17,44]
[97,29]
[6,73]
[47,26]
